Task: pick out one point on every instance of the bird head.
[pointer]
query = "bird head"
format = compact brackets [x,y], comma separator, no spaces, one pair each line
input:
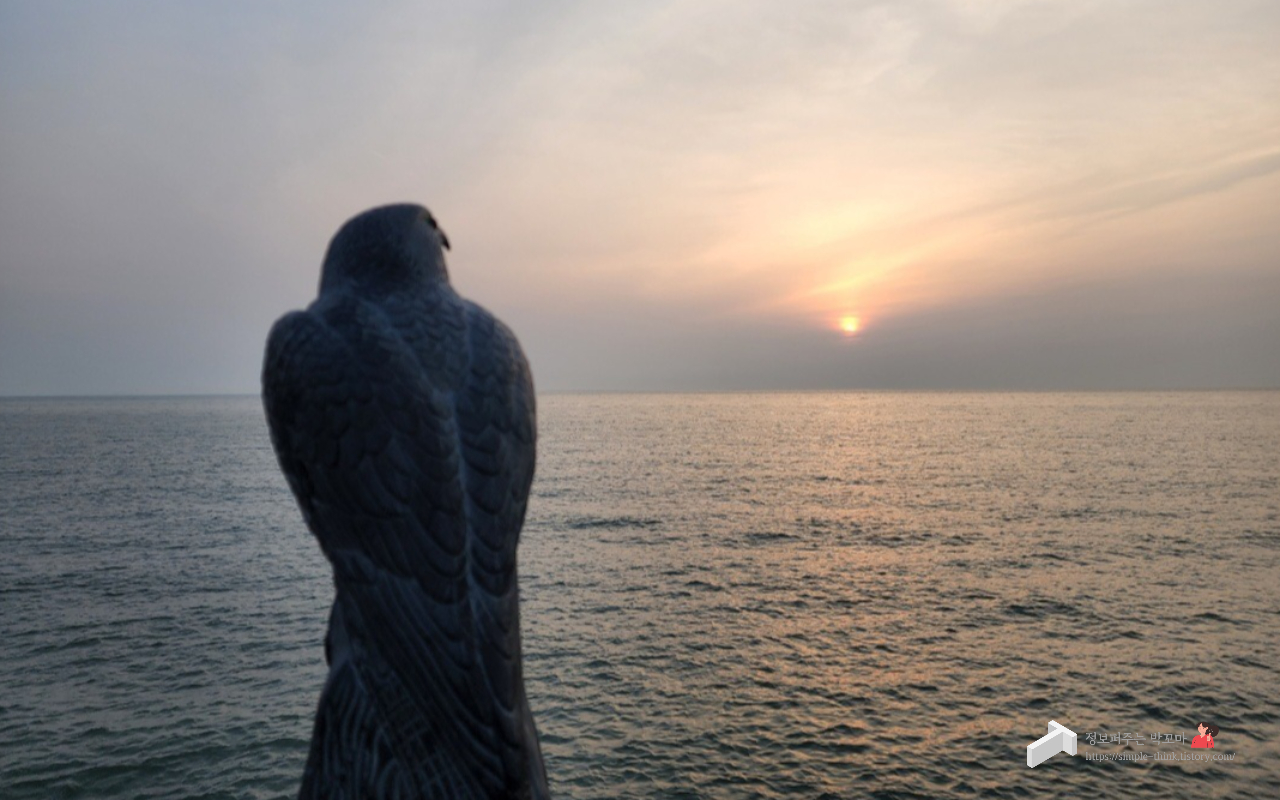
[385,249]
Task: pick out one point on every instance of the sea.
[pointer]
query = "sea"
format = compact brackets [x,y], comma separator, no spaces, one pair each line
[846,595]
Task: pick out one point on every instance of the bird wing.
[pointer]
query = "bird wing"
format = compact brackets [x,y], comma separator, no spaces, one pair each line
[415,486]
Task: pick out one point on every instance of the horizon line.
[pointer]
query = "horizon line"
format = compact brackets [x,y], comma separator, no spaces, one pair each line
[847,390]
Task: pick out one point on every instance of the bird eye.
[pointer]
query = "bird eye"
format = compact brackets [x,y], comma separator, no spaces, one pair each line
[444,240]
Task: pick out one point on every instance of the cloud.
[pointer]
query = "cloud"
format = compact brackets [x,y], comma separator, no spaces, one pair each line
[654,194]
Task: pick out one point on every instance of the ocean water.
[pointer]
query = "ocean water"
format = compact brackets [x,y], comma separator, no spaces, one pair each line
[725,596]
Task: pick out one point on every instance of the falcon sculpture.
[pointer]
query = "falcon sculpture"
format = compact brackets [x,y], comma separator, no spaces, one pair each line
[403,418]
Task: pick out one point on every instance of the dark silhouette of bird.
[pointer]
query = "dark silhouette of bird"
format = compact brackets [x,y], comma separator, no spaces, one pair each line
[403,418]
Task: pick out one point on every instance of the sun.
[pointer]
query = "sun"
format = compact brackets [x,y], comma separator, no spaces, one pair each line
[849,324]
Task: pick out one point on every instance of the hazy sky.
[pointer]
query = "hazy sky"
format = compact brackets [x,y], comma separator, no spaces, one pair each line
[656,195]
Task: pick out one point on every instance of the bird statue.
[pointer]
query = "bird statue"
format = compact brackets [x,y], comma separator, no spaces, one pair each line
[402,416]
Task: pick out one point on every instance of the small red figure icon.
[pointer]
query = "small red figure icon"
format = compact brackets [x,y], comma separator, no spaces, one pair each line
[1207,732]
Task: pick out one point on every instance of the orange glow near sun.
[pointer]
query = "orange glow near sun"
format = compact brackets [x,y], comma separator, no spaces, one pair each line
[849,325]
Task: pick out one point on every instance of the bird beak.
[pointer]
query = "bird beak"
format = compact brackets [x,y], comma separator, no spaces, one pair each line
[444,240]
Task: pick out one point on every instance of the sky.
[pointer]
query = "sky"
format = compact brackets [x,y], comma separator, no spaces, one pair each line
[656,196]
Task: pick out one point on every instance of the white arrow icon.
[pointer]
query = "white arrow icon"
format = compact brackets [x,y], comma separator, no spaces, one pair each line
[1057,740]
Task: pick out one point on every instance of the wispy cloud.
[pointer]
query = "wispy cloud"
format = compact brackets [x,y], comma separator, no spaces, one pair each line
[629,184]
